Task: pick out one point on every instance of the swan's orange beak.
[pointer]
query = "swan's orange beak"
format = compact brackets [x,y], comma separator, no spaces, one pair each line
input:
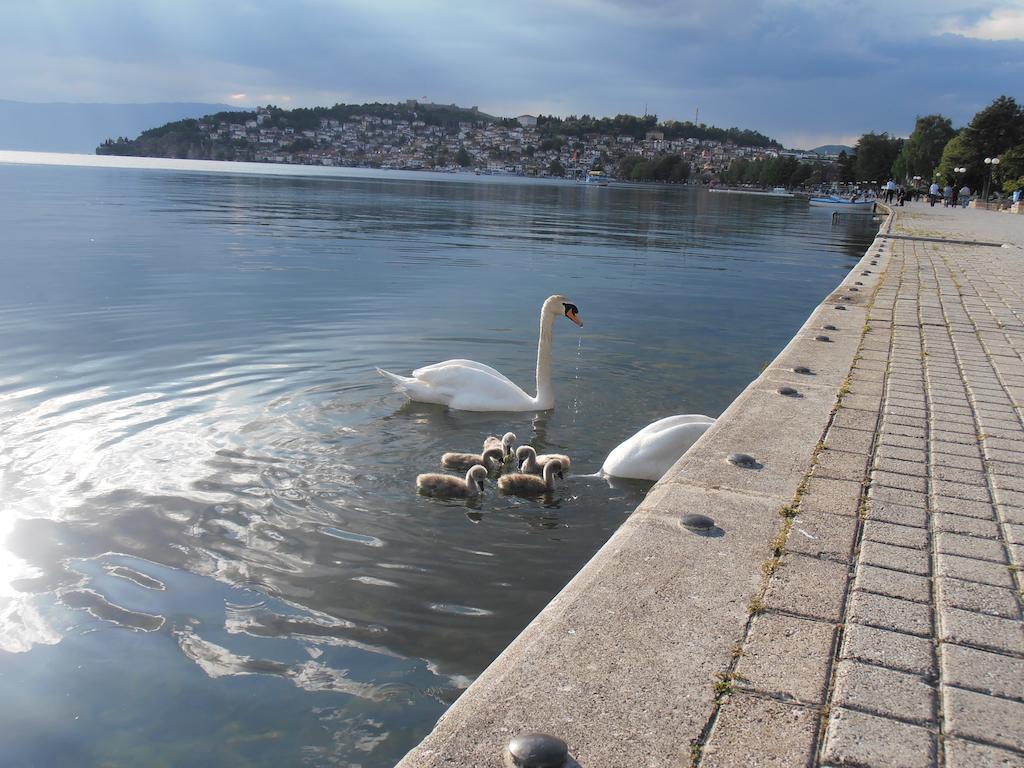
[571,314]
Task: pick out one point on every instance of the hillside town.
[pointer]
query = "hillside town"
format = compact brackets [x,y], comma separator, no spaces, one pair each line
[474,142]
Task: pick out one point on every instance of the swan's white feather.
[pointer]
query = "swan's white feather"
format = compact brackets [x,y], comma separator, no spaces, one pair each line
[652,451]
[464,387]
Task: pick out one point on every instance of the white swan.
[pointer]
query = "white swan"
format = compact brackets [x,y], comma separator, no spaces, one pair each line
[531,485]
[450,487]
[489,459]
[467,385]
[533,464]
[652,451]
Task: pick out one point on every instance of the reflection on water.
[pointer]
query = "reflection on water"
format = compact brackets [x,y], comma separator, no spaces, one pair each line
[212,549]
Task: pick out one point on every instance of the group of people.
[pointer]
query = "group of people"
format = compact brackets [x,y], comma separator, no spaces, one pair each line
[949,195]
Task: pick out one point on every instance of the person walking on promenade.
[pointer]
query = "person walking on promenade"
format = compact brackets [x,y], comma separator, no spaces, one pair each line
[933,193]
[953,197]
[965,196]
[947,195]
[890,190]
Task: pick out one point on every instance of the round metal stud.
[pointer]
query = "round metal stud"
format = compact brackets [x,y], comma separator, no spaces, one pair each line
[840,307]
[866,272]
[851,288]
[742,460]
[802,369]
[858,282]
[697,522]
[538,750]
[787,391]
[828,328]
[822,337]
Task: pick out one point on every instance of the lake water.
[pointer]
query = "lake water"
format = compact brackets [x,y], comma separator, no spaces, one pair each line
[211,548]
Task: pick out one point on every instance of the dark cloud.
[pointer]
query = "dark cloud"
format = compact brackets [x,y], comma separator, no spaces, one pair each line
[786,68]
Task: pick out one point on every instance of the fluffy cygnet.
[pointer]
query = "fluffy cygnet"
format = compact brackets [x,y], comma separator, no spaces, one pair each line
[450,487]
[531,485]
[530,462]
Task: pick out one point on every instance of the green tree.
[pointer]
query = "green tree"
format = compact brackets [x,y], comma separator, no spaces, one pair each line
[1011,169]
[957,154]
[923,150]
[555,168]
[874,156]
[462,157]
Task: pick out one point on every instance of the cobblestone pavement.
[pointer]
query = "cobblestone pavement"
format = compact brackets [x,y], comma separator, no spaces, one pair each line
[890,629]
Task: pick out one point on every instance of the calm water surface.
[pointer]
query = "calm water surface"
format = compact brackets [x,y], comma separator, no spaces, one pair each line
[211,551]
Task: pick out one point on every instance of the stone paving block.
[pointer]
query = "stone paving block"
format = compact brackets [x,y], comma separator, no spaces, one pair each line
[851,440]
[903,441]
[890,649]
[948,460]
[967,754]
[985,718]
[959,474]
[895,558]
[1014,515]
[890,613]
[917,469]
[837,497]
[883,581]
[1014,533]
[787,656]
[899,496]
[954,449]
[820,534]
[1007,482]
[987,529]
[909,482]
[981,630]
[868,741]
[761,733]
[991,673]
[960,490]
[980,598]
[896,513]
[892,452]
[970,546]
[855,418]
[897,535]
[1007,496]
[840,465]
[980,509]
[884,692]
[808,587]
[903,430]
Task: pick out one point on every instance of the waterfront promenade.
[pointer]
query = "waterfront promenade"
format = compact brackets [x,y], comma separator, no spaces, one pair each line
[858,600]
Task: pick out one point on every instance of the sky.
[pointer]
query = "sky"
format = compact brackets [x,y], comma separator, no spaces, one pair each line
[806,72]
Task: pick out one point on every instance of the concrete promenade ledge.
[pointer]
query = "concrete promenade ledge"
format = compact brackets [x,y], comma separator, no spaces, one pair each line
[858,602]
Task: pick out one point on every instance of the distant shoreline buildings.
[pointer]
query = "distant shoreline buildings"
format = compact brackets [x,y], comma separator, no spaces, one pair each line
[418,136]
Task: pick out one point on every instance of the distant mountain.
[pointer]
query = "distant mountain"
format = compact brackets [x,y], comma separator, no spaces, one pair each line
[833,149]
[63,127]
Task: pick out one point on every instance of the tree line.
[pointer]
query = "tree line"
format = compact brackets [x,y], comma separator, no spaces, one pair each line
[935,150]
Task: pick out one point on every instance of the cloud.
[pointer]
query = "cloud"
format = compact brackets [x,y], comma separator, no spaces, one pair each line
[785,67]
[1001,24]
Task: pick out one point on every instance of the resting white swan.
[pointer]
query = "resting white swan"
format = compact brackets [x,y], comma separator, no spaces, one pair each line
[652,451]
[489,459]
[533,464]
[448,486]
[470,386]
[530,485]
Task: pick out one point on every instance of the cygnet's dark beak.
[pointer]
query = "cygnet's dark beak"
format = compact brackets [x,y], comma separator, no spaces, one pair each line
[481,484]
[560,475]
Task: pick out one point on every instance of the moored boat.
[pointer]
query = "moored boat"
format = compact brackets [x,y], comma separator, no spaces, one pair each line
[595,178]
[837,203]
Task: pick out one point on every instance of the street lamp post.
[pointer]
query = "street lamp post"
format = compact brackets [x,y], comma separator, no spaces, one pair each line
[957,171]
[991,162]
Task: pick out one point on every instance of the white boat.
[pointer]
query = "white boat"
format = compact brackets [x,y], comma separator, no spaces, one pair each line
[595,178]
[837,203]
[774,192]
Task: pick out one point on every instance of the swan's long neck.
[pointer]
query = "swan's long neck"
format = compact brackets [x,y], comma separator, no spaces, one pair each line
[545,392]
[549,475]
